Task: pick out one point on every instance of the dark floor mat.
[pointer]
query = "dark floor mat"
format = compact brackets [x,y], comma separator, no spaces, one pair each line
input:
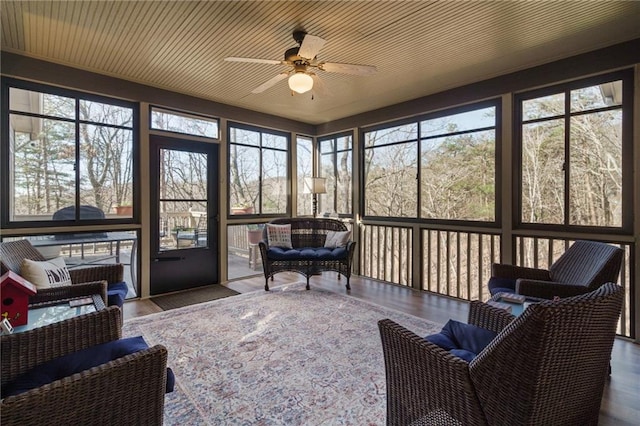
[193,296]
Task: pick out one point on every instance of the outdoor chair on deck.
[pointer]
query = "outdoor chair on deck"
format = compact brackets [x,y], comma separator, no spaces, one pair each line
[194,237]
[86,213]
[106,280]
[584,267]
[547,366]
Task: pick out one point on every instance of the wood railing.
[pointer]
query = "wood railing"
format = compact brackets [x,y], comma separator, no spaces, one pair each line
[452,263]
[456,262]
[386,253]
[237,239]
[173,220]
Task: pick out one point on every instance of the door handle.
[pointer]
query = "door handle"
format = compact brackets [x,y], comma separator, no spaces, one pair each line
[168,259]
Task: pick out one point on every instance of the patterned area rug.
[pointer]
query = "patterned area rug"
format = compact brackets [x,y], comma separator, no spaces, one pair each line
[284,357]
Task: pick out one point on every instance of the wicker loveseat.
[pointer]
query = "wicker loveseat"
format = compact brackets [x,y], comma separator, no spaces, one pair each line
[308,255]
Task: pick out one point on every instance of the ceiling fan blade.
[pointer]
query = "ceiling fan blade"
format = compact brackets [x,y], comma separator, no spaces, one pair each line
[266,85]
[347,68]
[310,46]
[254,60]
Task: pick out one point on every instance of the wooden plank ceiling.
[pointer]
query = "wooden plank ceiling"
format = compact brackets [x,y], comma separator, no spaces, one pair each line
[419,47]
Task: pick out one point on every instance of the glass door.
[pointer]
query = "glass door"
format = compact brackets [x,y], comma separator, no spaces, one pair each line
[184,194]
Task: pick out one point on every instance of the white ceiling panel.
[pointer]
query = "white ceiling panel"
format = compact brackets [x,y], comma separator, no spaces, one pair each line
[418,47]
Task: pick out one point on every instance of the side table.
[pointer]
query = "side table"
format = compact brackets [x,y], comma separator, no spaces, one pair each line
[516,308]
[51,312]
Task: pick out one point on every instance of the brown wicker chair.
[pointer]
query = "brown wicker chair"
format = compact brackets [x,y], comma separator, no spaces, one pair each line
[547,366]
[584,267]
[86,281]
[127,391]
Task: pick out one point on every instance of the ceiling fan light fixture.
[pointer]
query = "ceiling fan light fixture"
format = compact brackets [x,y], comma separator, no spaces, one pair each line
[302,60]
[300,82]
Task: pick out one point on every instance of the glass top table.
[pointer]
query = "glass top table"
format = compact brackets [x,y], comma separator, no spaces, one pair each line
[52,312]
[516,309]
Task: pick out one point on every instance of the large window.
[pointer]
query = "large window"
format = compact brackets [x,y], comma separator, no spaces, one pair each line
[180,122]
[442,166]
[304,155]
[257,171]
[336,164]
[391,171]
[67,156]
[572,150]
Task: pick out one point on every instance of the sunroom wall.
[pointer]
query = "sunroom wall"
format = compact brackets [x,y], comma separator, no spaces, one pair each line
[624,55]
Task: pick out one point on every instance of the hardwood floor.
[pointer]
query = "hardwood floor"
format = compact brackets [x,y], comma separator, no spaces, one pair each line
[621,400]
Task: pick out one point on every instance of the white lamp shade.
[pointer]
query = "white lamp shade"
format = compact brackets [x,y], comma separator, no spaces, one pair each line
[315,185]
[300,82]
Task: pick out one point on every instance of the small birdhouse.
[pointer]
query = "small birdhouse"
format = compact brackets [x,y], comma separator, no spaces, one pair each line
[15,292]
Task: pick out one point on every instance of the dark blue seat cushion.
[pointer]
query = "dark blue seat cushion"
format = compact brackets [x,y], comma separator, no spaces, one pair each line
[116,294]
[171,381]
[307,253]
[463,340]
[499,285]
[76,362]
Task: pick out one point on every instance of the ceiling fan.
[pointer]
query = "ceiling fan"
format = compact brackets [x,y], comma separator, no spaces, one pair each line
[302,60]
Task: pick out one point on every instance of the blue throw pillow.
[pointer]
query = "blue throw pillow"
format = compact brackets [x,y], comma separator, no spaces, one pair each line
[171,381]
[76,362]
[501,285]
[463,340]
[442,340]
[116,294]
[464,354]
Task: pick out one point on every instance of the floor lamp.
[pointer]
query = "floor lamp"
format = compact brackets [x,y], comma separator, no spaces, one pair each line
[315,186]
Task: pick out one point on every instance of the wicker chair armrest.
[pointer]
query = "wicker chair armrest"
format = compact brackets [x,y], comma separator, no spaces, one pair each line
[423,380]
[489,317]
[263,245]
[122,391]
[503,270]
[549,289]
[70,291]
[113,273]
[351,249]
[20,352]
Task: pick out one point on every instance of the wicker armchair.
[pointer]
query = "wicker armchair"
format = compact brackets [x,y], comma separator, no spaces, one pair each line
[86,281]
[126,391]
[584,267]
[547,366]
